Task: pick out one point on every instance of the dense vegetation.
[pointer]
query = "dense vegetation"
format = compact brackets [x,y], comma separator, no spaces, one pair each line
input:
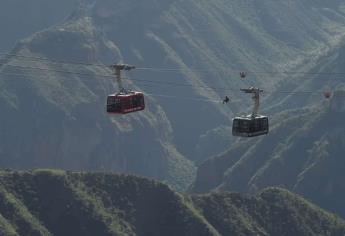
[47,202]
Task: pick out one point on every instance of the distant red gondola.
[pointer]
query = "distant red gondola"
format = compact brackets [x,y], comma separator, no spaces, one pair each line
[123,103]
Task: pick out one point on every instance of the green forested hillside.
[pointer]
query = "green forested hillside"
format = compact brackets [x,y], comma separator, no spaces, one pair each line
[47,202]
[54,118]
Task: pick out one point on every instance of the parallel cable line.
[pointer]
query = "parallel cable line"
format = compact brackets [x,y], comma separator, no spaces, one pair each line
[179,70]
[200,99]
[148,83]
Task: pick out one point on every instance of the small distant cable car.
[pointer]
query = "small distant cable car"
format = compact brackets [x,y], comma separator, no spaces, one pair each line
[327,94]
[254,124]
[243,75]
[123,103]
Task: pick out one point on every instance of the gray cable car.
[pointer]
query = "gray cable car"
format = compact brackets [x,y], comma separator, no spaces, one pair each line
[254,124]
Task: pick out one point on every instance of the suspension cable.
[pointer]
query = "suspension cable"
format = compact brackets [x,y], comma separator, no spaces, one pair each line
[150,83]
[174,70]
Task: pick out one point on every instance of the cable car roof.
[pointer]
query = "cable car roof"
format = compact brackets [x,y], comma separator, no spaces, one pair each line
[129,93]
[249,117]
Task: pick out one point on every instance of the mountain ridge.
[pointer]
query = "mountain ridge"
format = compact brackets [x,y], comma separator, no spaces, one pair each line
[54,202]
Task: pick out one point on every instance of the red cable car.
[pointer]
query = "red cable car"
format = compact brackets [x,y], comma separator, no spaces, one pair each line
[123,103]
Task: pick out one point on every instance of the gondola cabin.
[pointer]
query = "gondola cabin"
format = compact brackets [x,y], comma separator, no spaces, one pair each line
[123,103]
[249,126]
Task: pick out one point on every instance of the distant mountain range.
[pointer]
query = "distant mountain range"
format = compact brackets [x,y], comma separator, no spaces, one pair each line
[48,202]
[53,114]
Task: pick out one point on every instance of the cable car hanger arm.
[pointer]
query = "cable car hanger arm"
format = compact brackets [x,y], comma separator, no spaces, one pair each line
[256,98]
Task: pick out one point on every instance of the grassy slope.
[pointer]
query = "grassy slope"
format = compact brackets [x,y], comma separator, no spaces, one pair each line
[272,212]
[47,202]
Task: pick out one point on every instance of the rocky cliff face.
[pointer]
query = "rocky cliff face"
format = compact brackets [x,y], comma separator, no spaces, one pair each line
[218,39]
[53,113]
